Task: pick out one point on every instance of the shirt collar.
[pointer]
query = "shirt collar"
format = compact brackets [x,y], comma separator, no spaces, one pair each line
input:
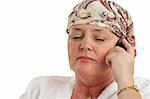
[109,91]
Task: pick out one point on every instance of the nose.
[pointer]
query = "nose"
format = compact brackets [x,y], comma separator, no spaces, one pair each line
[86,44]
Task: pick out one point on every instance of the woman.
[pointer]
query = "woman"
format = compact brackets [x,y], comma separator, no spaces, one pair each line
[101,49]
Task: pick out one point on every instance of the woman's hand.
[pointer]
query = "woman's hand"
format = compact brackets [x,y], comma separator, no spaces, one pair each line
[121,62]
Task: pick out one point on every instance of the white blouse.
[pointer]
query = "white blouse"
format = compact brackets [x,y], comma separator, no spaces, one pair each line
[58,87]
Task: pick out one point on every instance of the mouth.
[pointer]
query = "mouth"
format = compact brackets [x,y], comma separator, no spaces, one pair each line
[85,59]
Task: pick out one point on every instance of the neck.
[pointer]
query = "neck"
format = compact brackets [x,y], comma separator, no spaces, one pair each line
[92,89]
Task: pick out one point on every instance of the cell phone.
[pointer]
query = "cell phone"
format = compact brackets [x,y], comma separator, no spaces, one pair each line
[119,43]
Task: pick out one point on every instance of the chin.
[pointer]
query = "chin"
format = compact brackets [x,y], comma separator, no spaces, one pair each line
[87,71]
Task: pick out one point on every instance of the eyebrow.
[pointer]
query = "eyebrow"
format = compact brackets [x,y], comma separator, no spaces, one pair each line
[97,30]
[94,30]
[75,28]
[100,31]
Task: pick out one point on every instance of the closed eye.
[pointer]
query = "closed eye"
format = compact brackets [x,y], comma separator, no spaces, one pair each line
[76,36]
[100,39]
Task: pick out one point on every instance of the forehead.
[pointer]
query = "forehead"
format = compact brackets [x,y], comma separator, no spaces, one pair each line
[92,28]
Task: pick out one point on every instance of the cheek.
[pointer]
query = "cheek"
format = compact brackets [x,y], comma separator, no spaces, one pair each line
[72,52]
[72,49]
[106,48]
[102,53]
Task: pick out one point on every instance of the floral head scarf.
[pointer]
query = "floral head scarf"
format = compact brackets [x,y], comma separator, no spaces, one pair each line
[104,13]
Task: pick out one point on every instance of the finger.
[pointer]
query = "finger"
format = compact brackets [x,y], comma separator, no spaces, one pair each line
[117,49]
[128,46]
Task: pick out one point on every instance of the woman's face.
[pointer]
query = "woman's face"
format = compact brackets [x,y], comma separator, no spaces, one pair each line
[87,47]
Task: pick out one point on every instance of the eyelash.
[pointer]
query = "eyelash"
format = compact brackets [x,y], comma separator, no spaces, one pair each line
[77,37]
[98,39]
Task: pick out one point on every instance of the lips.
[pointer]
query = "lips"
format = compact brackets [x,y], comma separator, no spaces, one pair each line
[85,58]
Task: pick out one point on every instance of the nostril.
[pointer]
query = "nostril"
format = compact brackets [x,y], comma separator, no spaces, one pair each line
[85,47]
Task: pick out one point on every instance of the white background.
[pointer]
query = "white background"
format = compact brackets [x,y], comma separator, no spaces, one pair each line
[33,41]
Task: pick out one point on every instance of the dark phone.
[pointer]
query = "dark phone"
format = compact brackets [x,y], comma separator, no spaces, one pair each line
[120,45]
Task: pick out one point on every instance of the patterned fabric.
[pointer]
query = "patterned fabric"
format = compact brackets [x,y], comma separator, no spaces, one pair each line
[104,13]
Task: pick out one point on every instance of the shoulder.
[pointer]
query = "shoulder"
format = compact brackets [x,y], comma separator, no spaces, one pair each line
[42,80]
[50,81]
[144,86]
[44,85]
[142,83]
